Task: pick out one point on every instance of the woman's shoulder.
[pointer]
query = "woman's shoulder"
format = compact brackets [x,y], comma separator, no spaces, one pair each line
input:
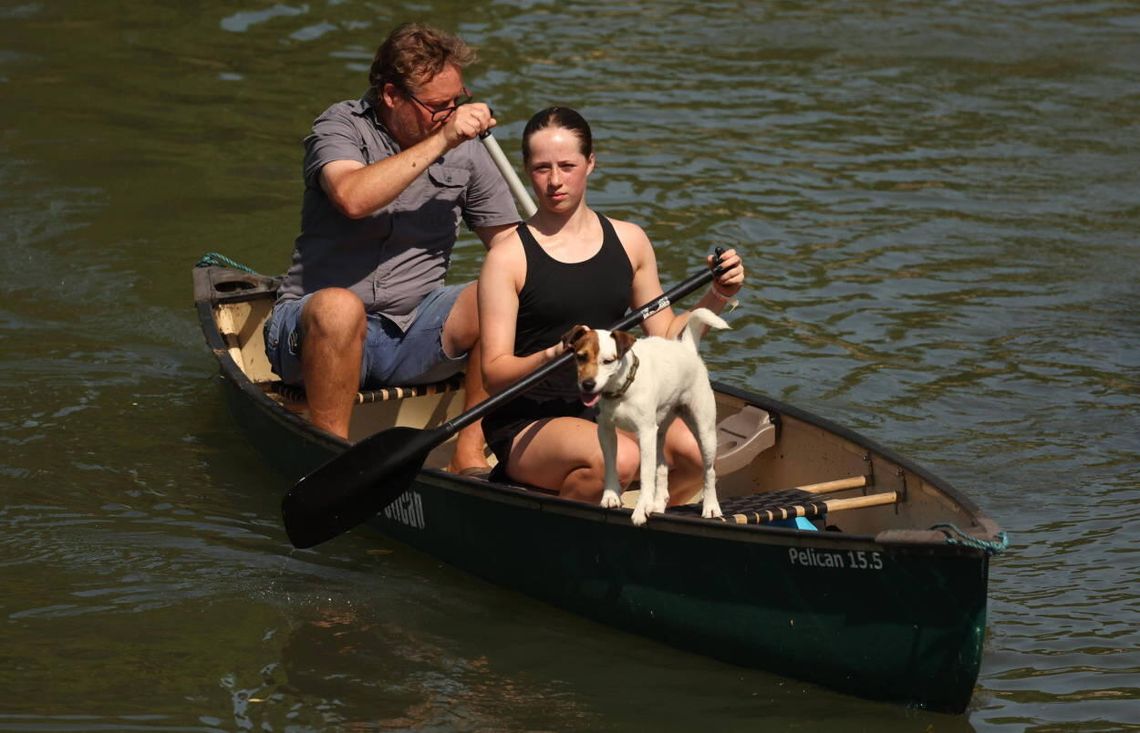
[633,238]
[506,254]
[627,229]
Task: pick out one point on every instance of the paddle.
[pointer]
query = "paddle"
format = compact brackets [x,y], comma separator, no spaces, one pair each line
[371,474]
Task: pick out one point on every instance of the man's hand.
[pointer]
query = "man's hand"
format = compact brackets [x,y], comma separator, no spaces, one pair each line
[467,123]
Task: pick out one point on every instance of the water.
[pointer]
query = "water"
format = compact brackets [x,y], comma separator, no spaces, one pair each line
[939,203]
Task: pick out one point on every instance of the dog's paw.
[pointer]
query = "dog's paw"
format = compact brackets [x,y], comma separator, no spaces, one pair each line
[639,517]
[711,510]
[611,500]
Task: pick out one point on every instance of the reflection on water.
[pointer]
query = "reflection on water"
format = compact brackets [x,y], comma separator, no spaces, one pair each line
[938,205]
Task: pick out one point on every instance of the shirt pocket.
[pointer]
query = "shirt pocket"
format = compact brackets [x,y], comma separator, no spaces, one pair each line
[450,182]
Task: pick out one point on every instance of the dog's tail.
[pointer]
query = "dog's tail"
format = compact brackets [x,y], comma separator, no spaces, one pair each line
[701,320]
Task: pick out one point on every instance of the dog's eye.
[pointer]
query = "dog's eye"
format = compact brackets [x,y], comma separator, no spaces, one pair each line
[582,358]
[609,360]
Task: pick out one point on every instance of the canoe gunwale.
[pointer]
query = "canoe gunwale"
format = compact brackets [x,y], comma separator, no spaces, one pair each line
[894,540]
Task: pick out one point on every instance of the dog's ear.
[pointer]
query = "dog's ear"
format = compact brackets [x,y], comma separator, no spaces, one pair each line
[624,340]
[571,337]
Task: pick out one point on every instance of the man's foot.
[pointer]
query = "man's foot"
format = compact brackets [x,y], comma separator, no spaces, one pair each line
[470,456]
[470,451]
[474,471]
[468,463]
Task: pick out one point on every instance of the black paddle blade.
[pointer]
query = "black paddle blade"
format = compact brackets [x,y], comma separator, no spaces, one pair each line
[356,484]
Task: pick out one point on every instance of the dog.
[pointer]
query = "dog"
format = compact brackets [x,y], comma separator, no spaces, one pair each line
[642,384]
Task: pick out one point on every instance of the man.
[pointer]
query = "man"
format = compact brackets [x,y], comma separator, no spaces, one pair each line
[387,179]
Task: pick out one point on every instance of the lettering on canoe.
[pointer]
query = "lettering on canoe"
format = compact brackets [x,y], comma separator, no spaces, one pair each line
[408,510]
[839,560]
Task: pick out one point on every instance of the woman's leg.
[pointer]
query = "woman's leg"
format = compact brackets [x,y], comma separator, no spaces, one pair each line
[563,454]
[686,469]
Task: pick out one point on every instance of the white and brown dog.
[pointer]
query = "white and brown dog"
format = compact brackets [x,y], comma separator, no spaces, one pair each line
[642,385]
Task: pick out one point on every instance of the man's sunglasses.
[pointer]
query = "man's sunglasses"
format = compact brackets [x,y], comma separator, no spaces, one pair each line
[440,114]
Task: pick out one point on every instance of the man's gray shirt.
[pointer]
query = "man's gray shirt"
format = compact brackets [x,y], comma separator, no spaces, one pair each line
[394,257]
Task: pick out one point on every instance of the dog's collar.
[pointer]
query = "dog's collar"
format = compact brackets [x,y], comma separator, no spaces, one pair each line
[614,394]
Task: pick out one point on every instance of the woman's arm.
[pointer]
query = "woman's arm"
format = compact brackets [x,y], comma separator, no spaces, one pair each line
[646,284]
[647,281]
[500,280]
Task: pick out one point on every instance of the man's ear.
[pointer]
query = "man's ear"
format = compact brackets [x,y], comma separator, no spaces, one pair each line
[571,337]
[387,94]
[624,340]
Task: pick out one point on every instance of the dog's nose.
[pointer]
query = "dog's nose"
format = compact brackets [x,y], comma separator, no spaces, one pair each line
[588,385]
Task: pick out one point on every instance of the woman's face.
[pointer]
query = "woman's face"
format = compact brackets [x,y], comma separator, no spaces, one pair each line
[558,169]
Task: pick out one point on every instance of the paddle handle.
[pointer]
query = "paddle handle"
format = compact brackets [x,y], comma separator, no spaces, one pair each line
[680,290]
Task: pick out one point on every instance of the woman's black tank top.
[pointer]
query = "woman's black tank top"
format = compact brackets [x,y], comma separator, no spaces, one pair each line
[557,295]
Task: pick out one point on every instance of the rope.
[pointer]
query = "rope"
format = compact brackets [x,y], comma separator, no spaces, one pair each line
[211,259]
[955,536]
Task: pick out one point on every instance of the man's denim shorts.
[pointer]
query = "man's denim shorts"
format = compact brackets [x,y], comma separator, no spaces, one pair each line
[392,357]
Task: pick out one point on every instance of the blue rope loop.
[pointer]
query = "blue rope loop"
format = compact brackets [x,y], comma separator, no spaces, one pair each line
[211,259]
[955,536]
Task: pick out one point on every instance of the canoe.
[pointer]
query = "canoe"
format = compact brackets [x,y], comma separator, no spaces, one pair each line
[838,562]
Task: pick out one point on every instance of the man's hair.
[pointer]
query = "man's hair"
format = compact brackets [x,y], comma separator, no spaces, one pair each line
[563,117]
[413,53]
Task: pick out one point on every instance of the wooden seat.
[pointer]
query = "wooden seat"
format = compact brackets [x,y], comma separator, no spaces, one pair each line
[297,394]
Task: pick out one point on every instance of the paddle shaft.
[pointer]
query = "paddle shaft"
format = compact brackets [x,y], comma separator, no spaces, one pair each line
[693,282]
[508,173]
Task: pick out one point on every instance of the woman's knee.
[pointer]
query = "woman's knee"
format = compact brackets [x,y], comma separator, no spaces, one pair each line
[628,460]
[682,451]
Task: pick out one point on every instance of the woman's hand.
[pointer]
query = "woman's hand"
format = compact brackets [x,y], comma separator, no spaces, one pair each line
[550,353]
[731,279]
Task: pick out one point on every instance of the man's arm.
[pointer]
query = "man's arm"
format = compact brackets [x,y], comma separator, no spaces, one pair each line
[357,190]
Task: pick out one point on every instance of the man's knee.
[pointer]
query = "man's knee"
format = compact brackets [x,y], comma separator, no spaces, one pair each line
[334,314]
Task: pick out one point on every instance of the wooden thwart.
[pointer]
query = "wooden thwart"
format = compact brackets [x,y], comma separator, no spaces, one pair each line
[826,487]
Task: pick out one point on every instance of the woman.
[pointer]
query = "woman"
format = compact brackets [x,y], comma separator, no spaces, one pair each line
[568,265]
